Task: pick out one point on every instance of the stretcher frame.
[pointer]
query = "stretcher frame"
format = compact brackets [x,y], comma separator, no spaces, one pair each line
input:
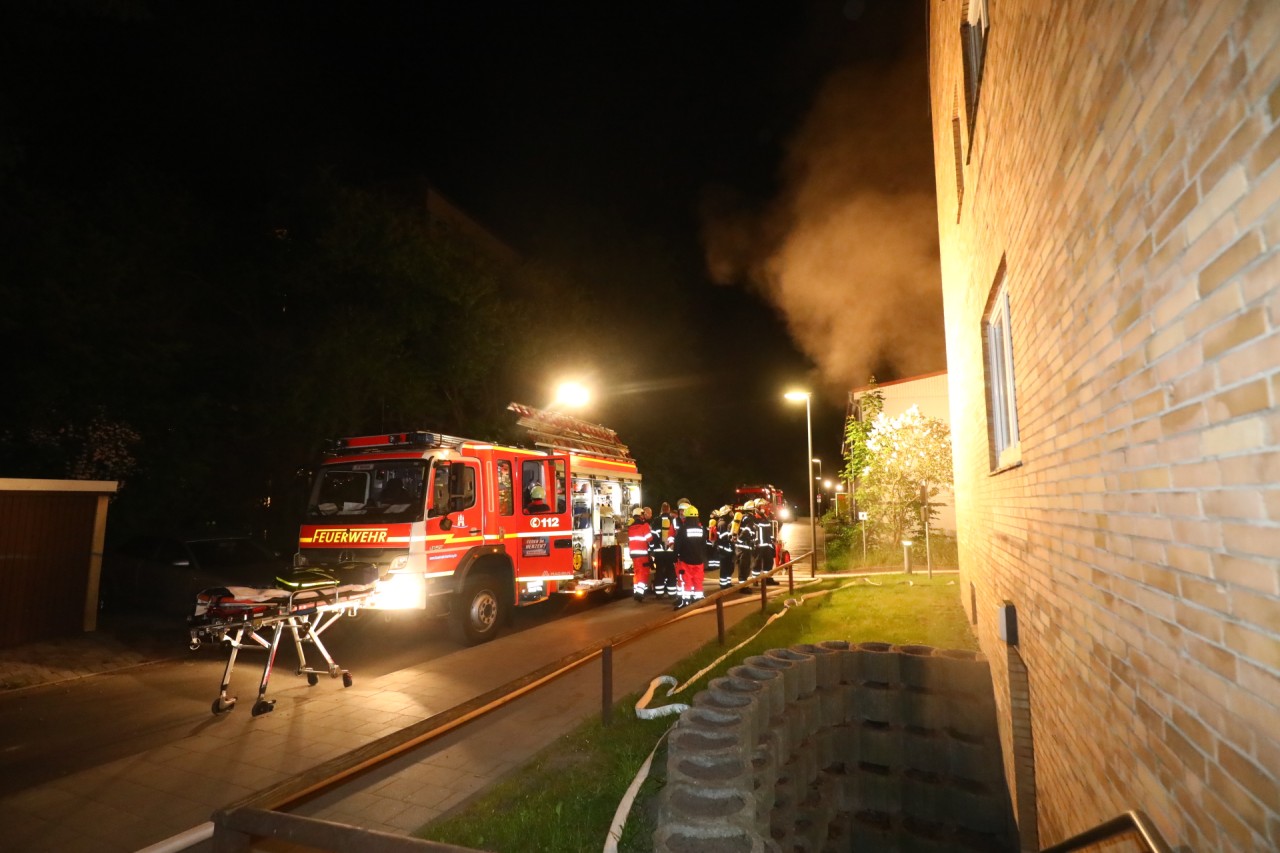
[304,614]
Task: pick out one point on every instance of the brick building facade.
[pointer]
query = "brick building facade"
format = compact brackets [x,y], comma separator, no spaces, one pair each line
[1109,210]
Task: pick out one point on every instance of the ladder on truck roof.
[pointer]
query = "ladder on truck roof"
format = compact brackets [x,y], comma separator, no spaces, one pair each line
[557,431]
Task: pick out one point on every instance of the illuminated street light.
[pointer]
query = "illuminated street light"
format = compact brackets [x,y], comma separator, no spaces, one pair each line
[573,395]
[795,397]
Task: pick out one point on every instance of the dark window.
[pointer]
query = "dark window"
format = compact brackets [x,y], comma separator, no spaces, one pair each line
[997,352]
[959,157]
[506,491]
[973,42]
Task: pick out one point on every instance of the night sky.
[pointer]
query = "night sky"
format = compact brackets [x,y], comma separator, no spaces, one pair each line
[675,154]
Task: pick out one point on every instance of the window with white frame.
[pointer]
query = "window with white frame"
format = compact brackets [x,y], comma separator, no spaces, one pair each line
[973,42]
[1002,409]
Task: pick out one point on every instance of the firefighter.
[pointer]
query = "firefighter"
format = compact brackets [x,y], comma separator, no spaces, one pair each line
[640,538]
[745,549]
[537,500]
[724,545]
[766,540]
[664,582]
[690,547]
[714,562]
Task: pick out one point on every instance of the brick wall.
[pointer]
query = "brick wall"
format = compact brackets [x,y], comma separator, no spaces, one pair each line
[1122,167]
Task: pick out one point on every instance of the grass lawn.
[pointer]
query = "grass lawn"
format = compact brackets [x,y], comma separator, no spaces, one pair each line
[565,799]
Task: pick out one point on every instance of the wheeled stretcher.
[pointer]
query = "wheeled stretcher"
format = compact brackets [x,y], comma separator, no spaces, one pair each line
[305,607]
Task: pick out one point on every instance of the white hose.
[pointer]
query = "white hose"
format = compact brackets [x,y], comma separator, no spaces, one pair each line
[624,807]
[183,840]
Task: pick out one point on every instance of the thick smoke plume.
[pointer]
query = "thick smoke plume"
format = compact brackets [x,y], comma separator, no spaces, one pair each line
[848,251]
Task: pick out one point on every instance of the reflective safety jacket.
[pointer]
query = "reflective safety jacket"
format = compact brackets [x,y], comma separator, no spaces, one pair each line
[641,538]
[764,534]
[691,543]
[748,532]
[670,526]
[722,540]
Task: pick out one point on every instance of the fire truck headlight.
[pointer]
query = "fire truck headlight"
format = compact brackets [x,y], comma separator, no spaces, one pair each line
[784,514]
[401,592]
[400,563]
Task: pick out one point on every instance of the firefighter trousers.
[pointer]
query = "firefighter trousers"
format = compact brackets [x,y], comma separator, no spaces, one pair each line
[691,576]
[726,567]
[764,559]
[643,568]
[664,580]
[746,564]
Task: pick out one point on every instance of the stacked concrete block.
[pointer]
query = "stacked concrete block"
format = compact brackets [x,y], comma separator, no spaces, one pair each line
[837,747]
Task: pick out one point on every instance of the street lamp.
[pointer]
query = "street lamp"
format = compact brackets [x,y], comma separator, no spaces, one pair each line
[795,397]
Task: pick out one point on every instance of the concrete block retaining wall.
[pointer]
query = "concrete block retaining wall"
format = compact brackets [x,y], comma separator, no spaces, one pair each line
[834,747]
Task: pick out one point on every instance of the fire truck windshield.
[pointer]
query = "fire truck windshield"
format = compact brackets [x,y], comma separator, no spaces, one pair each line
[379,491]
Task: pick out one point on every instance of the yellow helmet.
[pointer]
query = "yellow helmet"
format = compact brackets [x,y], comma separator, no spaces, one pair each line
[726,509]
[537,493]
[689,510]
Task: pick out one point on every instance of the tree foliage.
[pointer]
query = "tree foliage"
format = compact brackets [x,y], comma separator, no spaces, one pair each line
[904,462]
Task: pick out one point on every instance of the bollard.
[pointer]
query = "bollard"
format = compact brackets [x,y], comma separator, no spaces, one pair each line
[720,619]
[906,555]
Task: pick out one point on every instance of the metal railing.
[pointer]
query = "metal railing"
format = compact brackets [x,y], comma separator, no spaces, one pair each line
[1130,821]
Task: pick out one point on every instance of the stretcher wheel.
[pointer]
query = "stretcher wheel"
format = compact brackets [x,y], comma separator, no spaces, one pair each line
[221,706]
[313,679]
[346,679]
[263,706]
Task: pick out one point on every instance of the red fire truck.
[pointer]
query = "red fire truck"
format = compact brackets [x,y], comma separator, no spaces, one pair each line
[470,528]
[780,513]
[772,494]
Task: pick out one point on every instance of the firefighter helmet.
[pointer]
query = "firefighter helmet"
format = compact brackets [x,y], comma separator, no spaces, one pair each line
[637,512]
[688,511]
[726,509]
[537,493]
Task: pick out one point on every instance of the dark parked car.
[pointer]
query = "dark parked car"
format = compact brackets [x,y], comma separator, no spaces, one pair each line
[163,574]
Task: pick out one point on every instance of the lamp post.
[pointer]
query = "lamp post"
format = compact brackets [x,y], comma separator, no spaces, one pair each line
[795,397]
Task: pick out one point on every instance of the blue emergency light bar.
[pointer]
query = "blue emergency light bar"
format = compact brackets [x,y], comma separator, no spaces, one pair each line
[418,438]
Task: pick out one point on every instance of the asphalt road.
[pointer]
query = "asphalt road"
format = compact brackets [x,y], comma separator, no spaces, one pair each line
[52,731]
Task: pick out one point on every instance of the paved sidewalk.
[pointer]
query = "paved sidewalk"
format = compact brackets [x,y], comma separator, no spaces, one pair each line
[119,645]
[130,803]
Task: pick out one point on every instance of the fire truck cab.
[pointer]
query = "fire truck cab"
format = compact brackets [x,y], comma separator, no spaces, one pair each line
[472,529]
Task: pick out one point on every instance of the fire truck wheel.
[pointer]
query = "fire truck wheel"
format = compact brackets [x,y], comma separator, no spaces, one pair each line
[479,612]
